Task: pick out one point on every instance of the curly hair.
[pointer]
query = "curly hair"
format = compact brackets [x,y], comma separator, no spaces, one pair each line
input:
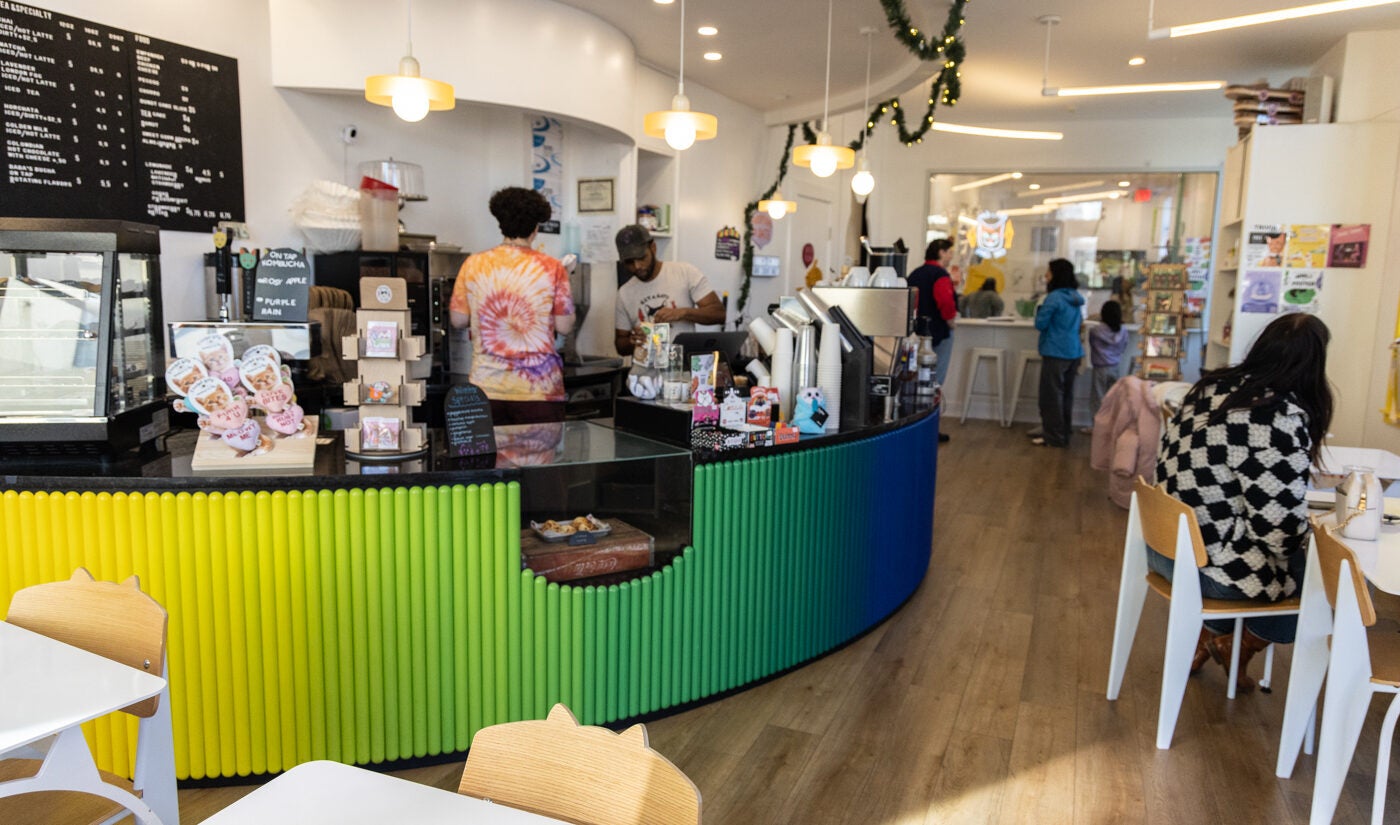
[519,211]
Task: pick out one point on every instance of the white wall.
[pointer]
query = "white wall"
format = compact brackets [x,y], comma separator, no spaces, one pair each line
[1369,85]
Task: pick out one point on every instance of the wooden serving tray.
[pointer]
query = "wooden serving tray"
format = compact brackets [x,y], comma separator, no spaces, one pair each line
[296,453]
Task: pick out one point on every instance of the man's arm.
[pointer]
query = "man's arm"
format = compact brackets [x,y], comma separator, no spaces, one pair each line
[708,311]
[622,340]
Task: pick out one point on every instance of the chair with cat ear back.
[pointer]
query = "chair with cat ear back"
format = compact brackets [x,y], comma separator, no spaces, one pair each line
[121,623]
[579,773]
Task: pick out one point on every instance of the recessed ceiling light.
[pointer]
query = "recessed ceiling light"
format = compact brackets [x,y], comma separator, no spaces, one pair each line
[1034,186]
[707,31]
[1136,61]
[1125,183]
[664,2]
[713,56]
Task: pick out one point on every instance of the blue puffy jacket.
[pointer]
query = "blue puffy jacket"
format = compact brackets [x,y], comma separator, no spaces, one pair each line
[1058,318]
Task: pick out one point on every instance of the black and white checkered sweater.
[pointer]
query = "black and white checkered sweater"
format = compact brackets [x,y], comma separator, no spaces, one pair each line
[1245,476]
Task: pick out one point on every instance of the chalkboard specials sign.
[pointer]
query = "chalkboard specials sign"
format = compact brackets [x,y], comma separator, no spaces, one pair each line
[467,417]
[106,123]
[281,286]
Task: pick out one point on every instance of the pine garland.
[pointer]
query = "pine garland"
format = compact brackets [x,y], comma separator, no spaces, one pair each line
[944,89]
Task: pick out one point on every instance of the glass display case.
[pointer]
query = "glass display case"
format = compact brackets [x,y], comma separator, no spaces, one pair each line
[81,338]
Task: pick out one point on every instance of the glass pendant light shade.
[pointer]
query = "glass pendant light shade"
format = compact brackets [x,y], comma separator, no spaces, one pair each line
[679,126]
[411,95]
[776,207]
[822,157]
[863,183]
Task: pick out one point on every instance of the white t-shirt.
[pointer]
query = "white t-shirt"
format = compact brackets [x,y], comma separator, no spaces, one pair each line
[677,284]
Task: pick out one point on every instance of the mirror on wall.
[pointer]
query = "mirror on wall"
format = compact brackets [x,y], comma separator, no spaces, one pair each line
[1011,224]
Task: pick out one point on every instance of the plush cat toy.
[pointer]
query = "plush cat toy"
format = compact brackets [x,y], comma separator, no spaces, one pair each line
[809,411]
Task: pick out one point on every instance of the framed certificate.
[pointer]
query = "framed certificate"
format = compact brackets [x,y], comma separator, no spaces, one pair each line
[595,195]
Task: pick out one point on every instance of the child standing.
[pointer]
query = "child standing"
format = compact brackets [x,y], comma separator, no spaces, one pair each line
[1106,344]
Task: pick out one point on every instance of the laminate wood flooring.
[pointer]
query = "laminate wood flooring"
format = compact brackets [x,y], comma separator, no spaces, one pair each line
[982,700]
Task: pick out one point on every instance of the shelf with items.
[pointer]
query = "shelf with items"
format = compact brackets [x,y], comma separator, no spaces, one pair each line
[382,350]
[656,192]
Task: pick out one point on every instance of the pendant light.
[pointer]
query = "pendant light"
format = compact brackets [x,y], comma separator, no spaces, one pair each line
[410,94]
[679,126]
[776,207]
[863,183]
[822,157]
[1049,21]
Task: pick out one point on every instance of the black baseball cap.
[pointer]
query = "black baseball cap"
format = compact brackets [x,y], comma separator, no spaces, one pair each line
[633,242]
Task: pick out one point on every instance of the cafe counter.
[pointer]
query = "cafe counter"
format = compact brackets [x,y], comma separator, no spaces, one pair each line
[370,613]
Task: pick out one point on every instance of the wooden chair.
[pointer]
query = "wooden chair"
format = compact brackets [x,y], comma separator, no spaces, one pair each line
[583,774]
[123,624]
[1360,665]
[1159,521]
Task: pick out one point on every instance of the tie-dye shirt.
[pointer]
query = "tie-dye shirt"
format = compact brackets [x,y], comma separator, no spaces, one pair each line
[512,295]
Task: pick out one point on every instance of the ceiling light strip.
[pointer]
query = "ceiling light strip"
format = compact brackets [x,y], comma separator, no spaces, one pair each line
[963,187]
[984,131]
[1276,16]
[1134,88]
[1110,194]
[1050,190]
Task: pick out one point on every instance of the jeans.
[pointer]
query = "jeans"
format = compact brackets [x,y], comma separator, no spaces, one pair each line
[1276,629]
[1104,379]
[1056,398]
[944,350]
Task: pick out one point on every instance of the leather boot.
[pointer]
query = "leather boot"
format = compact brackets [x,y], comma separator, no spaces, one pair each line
[1198,661]
[1220,648]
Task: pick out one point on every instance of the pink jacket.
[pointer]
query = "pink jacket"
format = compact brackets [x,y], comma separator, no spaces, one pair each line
[1126,432]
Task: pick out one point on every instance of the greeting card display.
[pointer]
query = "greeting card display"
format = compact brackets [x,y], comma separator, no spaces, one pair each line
[1164,325]
[383,352]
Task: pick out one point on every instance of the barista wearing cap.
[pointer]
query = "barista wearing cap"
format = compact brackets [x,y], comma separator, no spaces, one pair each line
[670,292]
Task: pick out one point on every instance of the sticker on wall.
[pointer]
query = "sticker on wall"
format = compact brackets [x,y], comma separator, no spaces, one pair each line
[809,254]
[1348,245]
[762,229]
[1264,246]
[1260,293]
[727,244]
[1307,246]
[546,168]
[1302,290]
[991,237]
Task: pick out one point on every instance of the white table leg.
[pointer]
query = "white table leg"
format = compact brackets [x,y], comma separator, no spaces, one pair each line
[1309,666]
[69,767]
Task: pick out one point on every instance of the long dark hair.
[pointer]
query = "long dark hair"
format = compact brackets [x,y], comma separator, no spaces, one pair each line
[1287,362]
[1111,313]
[1061,276]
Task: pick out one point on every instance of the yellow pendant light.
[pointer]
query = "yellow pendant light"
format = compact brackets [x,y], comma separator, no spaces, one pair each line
[679,126]
[410,94]
[862,182]
[822,157]
[776,207]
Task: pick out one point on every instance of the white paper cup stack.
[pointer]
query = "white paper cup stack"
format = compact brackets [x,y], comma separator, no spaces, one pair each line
[829,374]
[760,373]
[782,371]
[764,334]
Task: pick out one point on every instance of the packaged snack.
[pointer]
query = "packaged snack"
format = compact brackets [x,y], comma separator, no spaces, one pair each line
[381,339]
[379,433]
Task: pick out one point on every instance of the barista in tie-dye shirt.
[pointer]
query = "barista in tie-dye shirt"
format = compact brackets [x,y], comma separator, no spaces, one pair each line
[515,299]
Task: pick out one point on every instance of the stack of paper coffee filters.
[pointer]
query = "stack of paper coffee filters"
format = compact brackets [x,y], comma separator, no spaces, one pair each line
[1257,104]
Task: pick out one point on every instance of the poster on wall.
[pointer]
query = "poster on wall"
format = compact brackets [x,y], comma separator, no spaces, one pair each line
[762,229]
[1264,246]
[1348,245]
[1260,293]
[1307,246]
[1302,290]
[598,235]
[727,244]
[546,168]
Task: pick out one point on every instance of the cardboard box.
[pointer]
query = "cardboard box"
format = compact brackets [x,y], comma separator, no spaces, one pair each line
[625,548]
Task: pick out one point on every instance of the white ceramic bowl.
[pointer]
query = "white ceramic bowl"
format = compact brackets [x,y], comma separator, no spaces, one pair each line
[885,276]
[857,276]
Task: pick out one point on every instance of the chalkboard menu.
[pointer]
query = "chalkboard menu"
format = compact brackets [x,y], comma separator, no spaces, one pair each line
[467,420]
[106,123]
[282,286]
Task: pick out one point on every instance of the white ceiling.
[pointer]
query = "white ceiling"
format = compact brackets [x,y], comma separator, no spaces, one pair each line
[774,52]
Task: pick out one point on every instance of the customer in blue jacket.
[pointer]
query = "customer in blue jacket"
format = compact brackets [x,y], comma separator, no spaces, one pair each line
[1058,318]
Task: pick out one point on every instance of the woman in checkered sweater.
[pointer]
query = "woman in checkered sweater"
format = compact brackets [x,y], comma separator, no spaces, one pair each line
[1238,453]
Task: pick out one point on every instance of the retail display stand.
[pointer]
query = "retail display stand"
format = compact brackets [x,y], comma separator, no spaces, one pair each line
[1163,326]
[381,391]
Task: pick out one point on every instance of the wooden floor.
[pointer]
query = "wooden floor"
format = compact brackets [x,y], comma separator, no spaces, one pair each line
[982,700]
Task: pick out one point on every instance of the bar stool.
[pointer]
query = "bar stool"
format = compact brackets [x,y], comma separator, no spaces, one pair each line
[975,357]
[1023,358]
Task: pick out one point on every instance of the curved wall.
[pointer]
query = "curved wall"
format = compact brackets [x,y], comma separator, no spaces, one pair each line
[368,626]
[536,55]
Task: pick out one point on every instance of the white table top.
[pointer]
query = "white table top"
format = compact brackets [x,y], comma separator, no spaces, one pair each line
[329,792]
[47,686]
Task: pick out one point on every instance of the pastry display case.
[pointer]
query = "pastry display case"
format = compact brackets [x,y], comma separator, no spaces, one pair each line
[81,338]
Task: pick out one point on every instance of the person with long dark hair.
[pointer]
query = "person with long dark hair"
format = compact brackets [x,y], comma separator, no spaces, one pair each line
[1058,318]
[1238,453]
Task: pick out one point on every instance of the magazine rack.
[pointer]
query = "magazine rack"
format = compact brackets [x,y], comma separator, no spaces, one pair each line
[381,391]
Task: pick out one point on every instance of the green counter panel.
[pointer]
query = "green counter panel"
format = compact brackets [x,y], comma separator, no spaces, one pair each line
[367,626]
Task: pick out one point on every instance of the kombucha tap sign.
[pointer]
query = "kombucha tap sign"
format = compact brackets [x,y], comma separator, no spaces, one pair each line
[282,286]
[106,123]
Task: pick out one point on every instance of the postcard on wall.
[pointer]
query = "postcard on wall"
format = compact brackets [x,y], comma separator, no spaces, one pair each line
[1302,290]
[1264,246]
[1349,242]
[1160,346]
[1259,291]
[1164,301]
[1307,246]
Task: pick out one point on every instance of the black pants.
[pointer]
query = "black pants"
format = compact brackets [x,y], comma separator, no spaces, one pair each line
[1057,398]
